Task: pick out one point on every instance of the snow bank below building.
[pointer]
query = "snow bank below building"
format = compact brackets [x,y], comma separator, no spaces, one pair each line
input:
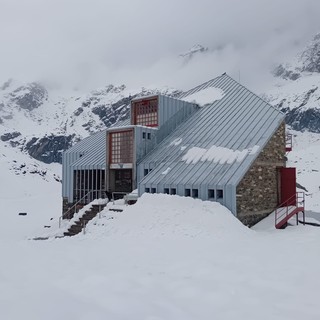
[162,215]
[166,257]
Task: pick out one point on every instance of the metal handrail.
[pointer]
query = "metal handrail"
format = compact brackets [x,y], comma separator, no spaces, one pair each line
[66,215]
[299,203]
[84,223]
[119,193]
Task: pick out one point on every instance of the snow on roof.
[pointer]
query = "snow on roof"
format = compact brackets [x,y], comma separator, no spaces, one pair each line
[206,96]
[218,143]
[217,154]
[176,142]
[166,171]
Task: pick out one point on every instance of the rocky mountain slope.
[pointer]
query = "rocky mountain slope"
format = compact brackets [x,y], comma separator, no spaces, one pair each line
[296,90]
[44,122]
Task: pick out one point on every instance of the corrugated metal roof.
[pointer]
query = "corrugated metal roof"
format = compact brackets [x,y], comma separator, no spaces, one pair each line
[226,135]
[92,150]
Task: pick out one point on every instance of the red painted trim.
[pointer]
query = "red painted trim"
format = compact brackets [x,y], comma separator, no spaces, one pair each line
[287,184]
[140,107]
[110,141]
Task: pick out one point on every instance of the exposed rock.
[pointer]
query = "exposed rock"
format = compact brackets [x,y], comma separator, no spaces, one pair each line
[6,84]
[303,120]
[310,57]
[29,97]
[78,111]
[10,135]
[282,72]
[118,111]
[299,186]
[196,49]
[49,149]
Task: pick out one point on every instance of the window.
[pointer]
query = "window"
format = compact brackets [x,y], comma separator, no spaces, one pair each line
[146,171]
[153,190]
[121,147]
[147,190]
[166,190]
[219,194]
[145,112]
[173,191]
[143,135]
[194,193]
[149,135]
[187,192]
[210,194]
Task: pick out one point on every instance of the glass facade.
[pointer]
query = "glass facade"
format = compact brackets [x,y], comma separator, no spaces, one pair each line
[89,184]
[121,147]
[145,112]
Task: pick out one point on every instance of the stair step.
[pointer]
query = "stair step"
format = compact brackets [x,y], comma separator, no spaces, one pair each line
[70,234]
[77,227]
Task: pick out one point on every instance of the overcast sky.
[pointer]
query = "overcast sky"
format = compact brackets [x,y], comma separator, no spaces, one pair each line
[91,43]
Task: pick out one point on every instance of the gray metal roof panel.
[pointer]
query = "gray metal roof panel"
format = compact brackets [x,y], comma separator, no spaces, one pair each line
[92,150]
[238,122]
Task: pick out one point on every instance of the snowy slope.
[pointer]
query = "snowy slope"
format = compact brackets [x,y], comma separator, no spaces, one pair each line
[27,186]
[296,88]
[306,158]
[45,121]
[164,258]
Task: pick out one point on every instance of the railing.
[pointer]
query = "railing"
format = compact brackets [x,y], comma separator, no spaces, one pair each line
[71,211]
[118,193]
[292,205]
[288,142]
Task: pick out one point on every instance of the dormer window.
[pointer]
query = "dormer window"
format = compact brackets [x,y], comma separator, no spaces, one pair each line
[145,112]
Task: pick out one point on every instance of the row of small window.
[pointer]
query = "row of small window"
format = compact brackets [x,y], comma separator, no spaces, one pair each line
[146,135]
[194,193]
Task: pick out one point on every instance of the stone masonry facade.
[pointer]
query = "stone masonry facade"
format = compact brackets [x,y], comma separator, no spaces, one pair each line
[258,191]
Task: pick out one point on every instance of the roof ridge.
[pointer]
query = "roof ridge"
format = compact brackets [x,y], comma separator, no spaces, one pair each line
[238,83]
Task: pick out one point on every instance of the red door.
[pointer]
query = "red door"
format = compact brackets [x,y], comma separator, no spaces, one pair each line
[288,186]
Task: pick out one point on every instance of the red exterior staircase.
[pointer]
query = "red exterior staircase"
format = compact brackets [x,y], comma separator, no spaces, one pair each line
[286,210]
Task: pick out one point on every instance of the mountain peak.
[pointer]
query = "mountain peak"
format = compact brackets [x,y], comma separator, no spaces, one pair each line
[308,60]
[196,49]
[310,57]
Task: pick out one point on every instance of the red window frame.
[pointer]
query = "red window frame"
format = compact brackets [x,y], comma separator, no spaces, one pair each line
[145,112]
[121,146]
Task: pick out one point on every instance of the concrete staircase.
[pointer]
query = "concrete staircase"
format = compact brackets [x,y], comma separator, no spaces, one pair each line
[79,225]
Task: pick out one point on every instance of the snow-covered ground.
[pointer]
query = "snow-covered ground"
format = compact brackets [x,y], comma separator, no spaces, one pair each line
[166,257]
[305,156]
[27,186]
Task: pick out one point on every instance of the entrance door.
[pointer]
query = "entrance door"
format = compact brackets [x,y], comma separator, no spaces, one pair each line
[288,186]
[123,180]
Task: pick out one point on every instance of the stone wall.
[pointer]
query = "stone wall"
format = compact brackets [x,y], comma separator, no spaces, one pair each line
[257,192]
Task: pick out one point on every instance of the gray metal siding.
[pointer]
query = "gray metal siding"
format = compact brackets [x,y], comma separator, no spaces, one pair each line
[88,154]
[239,121]
[169,106]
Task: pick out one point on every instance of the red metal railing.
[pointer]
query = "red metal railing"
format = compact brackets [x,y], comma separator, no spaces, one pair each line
[288,142]
[289,208]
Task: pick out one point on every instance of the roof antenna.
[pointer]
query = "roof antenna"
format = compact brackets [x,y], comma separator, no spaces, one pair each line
[239,75]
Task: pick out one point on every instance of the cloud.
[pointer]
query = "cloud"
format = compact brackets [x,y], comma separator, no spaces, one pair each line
[137,42]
